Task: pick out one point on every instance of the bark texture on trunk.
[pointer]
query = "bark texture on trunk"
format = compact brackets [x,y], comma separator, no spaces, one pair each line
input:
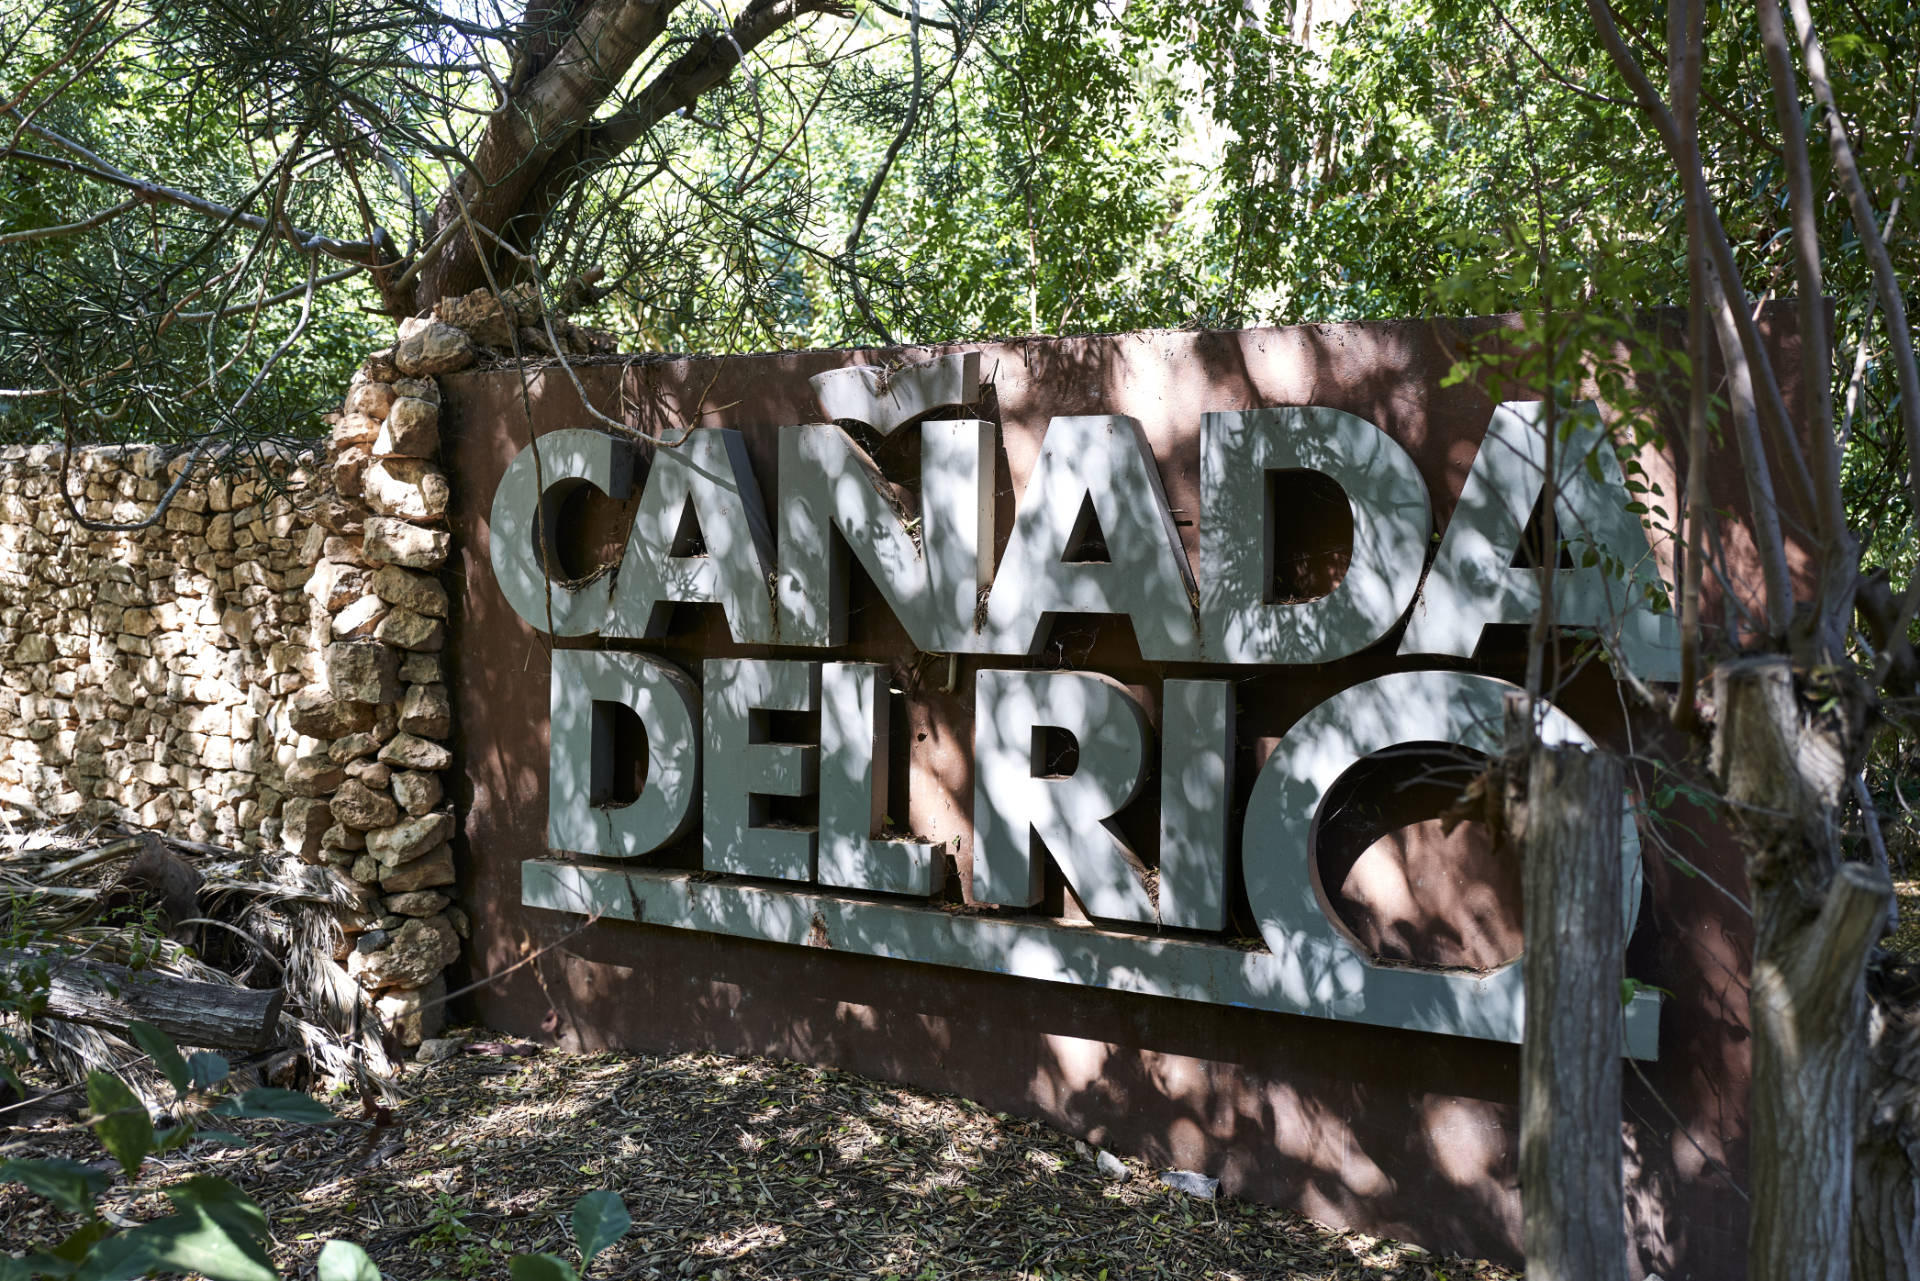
[546,138]
[1886,1155]
[1784,765]
[1570,1148]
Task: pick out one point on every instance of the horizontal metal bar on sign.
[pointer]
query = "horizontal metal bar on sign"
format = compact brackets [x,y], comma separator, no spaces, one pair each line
[1486,1006]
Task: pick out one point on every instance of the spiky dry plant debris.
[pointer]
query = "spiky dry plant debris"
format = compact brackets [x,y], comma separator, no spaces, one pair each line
[173,907]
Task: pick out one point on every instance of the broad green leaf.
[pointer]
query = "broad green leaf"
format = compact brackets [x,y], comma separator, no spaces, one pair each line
[68,1184]
[217,1232]
[599,1219]
[279,1105]
[33,1265]
[165,1054]
[80,1242]
[345,1261]
[118,1258]
[540,1267]
[123,1126]
[195,1240]
[206,1069]
[223,1201]
[165,1141]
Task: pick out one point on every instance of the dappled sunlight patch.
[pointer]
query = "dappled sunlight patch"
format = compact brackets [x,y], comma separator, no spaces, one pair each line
[738,1243]
[747,1170]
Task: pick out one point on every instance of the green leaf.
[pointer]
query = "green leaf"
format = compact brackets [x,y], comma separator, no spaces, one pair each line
[222,1200]
[165,1141]
[165,1054]
[218,1232]
[345,1261]
[68,1184]
[79,1243]
[118,1258]
[195,1240]
[30,1266]
[206,1069]
[599,1219]
[122,1125]
[279,1105]
[540,1267]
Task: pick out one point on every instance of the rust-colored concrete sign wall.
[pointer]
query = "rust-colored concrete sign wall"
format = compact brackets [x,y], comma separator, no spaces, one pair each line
[1063,721]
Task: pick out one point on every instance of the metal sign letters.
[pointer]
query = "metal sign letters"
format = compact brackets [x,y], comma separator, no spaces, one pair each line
[780,579]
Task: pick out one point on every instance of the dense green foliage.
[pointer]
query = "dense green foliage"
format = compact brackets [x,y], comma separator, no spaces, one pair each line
[1063,166]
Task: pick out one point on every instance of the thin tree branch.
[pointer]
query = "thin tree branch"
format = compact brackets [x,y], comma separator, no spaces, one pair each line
[1833,592]
[1855,382]
[1768,401]
[91,166]
[915,17]
[880,176]
[1553,72]
[72,228]
[1686,24]
[1886,284]
[100,15]
[231,412]
[285,295]
[1731,311]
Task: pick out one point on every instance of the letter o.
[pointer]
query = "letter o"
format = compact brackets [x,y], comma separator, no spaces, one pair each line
[1283,813]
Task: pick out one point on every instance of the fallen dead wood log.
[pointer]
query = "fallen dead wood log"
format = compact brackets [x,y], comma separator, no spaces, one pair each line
[213,1016]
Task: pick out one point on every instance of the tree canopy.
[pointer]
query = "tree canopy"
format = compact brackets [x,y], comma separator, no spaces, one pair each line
[206,207]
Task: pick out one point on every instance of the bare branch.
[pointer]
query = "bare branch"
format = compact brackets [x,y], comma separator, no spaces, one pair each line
[915,16]
[880,176]
[711,60]
[1833,592]
[1686,22]
[1767,396]
[1553,73]
[232,412]
[364,252]
[100,15]
[1846,172]
[285,295]
[72,228]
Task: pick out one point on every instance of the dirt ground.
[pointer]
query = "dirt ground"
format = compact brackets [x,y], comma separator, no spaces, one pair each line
[733,1170]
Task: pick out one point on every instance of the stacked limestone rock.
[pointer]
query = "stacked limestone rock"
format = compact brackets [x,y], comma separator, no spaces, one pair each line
[367,793]
[262,667]
[145,675]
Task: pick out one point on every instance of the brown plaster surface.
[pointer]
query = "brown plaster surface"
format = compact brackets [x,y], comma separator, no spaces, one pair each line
[1389,1131]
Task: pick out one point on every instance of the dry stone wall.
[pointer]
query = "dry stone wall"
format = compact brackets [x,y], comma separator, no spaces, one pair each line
[146,675]
[261,669]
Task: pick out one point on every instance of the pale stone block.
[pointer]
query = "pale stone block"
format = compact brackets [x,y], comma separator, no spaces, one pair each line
[412,488]
[410,838]
[404,629]
[412,429]
[362,671]
[396,542]
[409,751]
[429,347]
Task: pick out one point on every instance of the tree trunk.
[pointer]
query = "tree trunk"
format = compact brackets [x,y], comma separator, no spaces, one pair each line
[1570,1148]
[1886,1155]
[204,1015]
[1784,768]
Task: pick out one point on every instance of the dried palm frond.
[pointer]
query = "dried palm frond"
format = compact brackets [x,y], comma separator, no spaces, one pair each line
[191,911]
